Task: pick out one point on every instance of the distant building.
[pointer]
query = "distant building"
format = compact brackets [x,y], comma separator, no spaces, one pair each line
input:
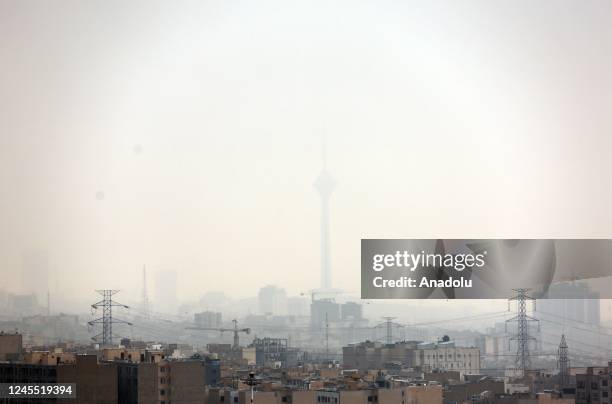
[351,311]
[24,305]
[446,356]
[298,306]
[412,354]
[272,300]
[458,392]
[275,353]
[571,301]
[322,311]
[375,355]
[35,274]
[208,319]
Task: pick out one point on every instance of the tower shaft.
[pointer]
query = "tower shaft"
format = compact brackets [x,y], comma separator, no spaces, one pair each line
[325,259]
[325,184]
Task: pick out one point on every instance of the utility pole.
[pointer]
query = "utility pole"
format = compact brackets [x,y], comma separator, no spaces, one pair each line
[563,363]
[522,337]
[326,339]
[107,319]
[145,296]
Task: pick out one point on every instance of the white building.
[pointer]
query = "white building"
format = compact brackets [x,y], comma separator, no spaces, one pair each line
[446,356]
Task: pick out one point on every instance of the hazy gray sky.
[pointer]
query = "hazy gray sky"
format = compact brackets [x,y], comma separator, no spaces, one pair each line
[187,135]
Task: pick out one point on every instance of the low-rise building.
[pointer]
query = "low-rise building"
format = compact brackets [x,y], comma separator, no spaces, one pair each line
[11,346]
[595,385]
[412,354]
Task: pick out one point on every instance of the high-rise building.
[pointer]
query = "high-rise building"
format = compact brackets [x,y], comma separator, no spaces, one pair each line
[323,311]
[208,319]
[351,311]
[298,306]
[571,301]
[272,300]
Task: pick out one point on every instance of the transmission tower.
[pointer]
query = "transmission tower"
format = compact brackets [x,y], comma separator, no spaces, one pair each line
[389,325]
[522,337]
[563,363]
[107,319]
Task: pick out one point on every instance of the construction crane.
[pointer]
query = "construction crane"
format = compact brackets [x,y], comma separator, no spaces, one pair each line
[323,292]
[235,330]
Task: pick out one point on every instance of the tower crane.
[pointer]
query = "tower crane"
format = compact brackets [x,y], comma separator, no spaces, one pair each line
[235,330]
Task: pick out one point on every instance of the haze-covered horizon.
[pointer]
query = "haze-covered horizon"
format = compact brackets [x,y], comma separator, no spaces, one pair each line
[187,136]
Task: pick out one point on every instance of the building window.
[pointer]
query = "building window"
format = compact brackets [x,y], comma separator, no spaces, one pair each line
[162,392]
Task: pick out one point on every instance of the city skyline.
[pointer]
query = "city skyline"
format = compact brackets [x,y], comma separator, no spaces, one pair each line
[148,149]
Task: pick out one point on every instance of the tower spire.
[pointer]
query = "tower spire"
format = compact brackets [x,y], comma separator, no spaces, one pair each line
[325,184]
